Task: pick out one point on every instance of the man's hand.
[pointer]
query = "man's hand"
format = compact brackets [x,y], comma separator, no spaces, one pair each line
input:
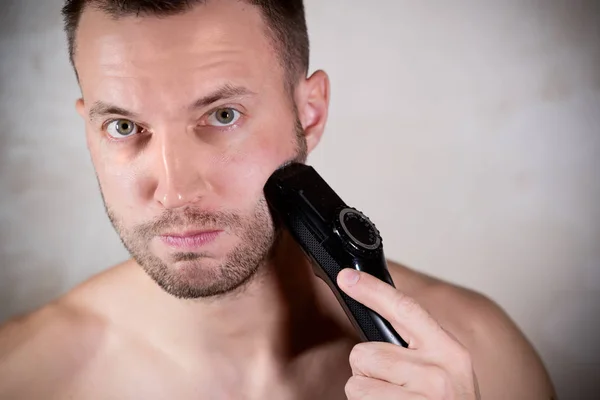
[434,366]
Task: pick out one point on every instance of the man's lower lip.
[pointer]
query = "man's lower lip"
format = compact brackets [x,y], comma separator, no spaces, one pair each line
[190,242]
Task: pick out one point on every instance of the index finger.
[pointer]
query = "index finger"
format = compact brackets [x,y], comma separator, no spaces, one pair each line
[413,323]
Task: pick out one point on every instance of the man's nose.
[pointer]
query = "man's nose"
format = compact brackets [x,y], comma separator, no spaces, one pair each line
[181,171]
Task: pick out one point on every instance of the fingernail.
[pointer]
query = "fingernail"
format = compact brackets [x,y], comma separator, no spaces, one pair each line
[350,277]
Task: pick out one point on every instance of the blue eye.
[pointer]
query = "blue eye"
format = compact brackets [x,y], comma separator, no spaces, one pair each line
[121,128]
[224,117]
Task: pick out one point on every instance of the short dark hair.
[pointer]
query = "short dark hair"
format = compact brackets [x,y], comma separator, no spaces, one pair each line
[285,21]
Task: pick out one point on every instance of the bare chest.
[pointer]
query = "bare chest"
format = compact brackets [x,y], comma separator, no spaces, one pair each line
[153,378]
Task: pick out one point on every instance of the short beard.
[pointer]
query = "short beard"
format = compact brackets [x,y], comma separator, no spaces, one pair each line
[257,233]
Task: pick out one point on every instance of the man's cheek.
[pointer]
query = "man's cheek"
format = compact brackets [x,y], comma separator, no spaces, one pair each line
[123,178]
[122,189]
[246,173]
[238,182]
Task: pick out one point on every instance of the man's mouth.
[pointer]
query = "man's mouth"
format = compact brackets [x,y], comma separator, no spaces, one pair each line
[189,240]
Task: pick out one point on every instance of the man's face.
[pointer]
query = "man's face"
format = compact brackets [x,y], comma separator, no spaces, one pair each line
[186,118]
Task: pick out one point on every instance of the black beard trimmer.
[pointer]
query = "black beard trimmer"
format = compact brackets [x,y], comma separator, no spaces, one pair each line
[334,236]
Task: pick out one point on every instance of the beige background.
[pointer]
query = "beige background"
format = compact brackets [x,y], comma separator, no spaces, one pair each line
[467,130]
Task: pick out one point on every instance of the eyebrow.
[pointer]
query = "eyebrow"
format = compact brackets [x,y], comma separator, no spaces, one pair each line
[226,92]
[100,109]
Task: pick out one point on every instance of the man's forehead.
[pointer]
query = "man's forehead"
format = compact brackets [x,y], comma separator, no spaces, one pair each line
[207,35]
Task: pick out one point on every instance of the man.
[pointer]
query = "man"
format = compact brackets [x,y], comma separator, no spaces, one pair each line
[189,107]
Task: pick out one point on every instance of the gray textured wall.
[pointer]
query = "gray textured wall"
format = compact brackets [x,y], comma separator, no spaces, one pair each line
[472,130]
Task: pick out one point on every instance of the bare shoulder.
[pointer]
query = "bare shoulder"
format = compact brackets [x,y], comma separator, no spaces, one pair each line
[505,362]
[49,347]
[44,352]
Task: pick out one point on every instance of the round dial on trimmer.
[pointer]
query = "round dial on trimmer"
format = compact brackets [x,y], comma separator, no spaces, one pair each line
[357,230]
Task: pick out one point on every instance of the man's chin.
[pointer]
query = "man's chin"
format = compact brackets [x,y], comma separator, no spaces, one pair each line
[194,275]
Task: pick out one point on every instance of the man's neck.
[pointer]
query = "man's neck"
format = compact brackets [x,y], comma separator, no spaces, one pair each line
[275,317]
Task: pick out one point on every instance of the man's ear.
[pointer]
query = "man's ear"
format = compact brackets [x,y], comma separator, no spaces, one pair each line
[312,100]
[80,107]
